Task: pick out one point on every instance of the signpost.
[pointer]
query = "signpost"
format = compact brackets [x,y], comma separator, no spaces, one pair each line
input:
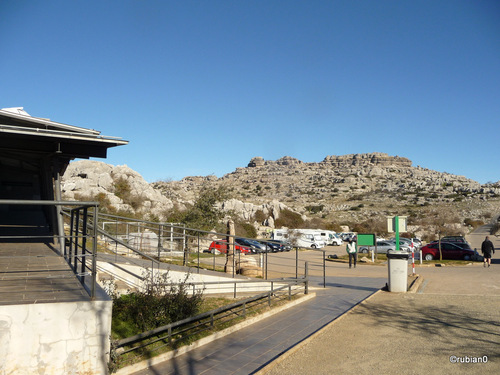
[367,240]
[396,224]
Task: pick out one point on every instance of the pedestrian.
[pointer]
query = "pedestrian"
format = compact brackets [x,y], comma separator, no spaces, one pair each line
[352,251]
[487,248]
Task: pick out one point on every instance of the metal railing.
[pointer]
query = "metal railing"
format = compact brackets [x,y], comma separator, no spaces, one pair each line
[177,244]
[78,245]
[180,332]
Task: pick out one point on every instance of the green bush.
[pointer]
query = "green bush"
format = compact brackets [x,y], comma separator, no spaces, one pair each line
[315,209]
[243,229]
[260,216]
[289,219]
[157,305]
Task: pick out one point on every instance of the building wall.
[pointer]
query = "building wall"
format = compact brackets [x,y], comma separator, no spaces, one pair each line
[55,338]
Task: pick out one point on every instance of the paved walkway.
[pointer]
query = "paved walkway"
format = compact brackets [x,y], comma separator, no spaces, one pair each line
[248,350]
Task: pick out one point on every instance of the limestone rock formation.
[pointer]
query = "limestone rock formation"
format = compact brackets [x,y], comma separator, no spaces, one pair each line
[122,187]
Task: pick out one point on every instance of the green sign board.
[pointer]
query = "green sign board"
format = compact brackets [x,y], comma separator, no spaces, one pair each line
[366,240]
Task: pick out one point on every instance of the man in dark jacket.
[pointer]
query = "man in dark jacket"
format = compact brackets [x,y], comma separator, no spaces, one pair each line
[487,248]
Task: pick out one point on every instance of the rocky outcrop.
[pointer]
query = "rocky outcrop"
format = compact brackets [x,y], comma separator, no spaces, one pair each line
[247,211]
[119,186]
[363,160]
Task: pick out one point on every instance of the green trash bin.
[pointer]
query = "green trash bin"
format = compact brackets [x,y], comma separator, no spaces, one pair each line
[398,271]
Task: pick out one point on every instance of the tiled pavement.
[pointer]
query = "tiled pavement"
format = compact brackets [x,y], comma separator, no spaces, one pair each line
[36,273]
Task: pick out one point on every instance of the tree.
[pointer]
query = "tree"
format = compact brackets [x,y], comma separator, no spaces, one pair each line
[204,214]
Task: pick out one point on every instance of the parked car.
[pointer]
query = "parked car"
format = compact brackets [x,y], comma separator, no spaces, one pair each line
[464,245]
[454,239]
[221,246]
[254,245]
[382,247]
[347,236]
[407,242]
[449,251]
[272,246]
[284,246]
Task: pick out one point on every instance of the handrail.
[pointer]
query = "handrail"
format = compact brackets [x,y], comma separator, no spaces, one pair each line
[73,260]
[209,314]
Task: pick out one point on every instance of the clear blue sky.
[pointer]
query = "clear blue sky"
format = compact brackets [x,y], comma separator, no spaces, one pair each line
[201,87]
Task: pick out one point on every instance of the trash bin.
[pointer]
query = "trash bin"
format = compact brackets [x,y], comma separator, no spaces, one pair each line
[398,271]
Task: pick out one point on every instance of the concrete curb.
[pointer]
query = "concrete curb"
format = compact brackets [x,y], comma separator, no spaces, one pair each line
[416,284]
[304,342]
[206,340]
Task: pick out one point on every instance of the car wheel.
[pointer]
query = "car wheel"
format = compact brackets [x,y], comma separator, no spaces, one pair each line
[364,250]
[467,257]
[428,257]
[313,246]
[215,251]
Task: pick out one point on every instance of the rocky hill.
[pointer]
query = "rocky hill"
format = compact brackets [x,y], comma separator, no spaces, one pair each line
[344,188]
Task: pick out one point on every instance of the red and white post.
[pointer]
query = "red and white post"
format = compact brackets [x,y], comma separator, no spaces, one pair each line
[412,257]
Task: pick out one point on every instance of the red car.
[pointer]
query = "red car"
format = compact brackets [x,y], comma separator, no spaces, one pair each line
[449,250]
[221,246]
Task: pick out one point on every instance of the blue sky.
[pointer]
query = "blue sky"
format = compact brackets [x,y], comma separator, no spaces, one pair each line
[201,87]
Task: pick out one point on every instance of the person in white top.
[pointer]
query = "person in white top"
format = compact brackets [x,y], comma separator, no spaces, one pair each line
[352,250]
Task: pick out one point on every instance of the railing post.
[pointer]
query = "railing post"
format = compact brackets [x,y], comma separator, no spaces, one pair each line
[77,234]
[289,292]
[266,264]
[184,245]
[198,252]
[71,238]
[94,253]
[85,230]
[296,262]
[306,277]
[160,233]
[324,269]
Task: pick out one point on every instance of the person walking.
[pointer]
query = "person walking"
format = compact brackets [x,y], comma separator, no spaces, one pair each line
[487,248]
[352,251]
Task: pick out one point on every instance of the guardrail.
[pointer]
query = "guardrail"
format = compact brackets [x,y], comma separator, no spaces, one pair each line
[178,333]
[78,247]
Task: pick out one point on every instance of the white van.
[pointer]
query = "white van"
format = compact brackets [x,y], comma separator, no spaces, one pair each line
[305,238]
[330,237]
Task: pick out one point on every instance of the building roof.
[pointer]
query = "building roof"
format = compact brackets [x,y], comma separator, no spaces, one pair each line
[21,132]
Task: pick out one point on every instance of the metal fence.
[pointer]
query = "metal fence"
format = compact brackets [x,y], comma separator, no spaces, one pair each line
[184,331]
[177,244]
[77,243]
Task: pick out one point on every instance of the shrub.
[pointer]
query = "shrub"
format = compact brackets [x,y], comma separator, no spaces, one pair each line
[315,209]
[122,188]
[289,219]
[243,229]
[259,216]
[158,304]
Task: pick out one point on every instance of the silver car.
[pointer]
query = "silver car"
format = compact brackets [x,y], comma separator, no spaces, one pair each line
[382,247]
